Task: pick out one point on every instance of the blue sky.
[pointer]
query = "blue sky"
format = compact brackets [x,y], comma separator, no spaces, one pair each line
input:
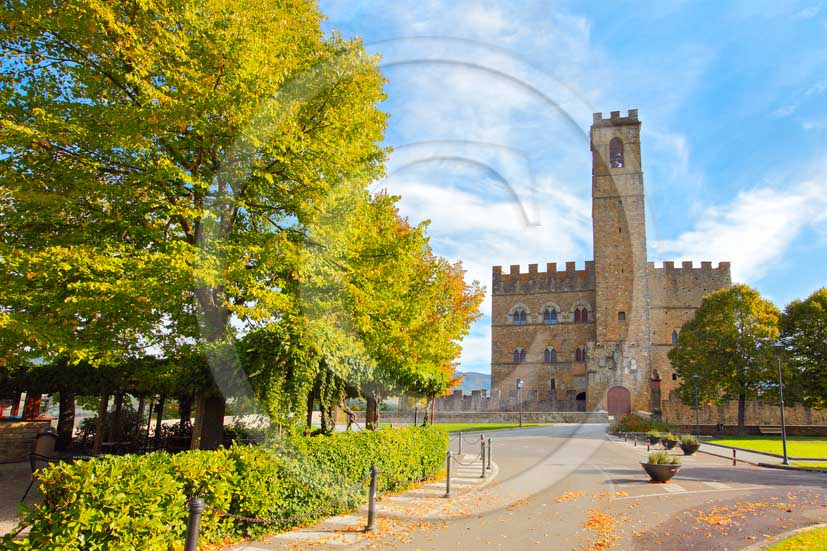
[490,104]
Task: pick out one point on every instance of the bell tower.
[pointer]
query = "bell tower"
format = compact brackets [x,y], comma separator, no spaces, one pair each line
[621,352]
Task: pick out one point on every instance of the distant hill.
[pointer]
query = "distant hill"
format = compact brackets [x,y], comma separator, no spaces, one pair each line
[475,381]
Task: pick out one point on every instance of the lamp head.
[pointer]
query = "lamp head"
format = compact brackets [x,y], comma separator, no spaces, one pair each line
[519,383]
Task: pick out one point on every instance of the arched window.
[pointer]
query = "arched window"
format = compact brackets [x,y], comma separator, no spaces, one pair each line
[584,315]
[577,315]
[621,316]
[519,355]
[520,317]
[550,316]
[675,337]
[616,153]
[552,385]
[578,355]
[550,356]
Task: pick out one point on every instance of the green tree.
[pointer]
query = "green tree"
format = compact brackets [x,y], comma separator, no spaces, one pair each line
[726,345]
[804,332]
[164,164]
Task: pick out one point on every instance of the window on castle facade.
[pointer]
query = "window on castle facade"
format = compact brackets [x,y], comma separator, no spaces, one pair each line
[550,316]
[584,316]
[550,356]
[519,355]
[577,315]
[520,317]
[674,337]
[579,355]
[616,153]
[621,316]
[552,385]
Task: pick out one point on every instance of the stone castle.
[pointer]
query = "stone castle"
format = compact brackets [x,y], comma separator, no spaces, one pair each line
[597,337]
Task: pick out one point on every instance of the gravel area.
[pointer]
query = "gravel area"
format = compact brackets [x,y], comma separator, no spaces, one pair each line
[14,477]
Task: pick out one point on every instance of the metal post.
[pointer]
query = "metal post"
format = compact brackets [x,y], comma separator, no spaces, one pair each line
[520,402]
[416,410]
[733,458]
[460,442]
[697,411]
[482,457]
[372,499]
[194,524]
[781,402]
[448,476]
[489,454]
[636,440]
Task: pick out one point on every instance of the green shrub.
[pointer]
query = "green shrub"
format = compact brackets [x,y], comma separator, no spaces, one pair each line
[663,458]
[140,502]
[669,436]
[688,439]
[633,422]
[653,433]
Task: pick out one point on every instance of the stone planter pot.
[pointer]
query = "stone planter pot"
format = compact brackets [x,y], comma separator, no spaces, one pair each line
[689,449]
[669,444]
[660,473]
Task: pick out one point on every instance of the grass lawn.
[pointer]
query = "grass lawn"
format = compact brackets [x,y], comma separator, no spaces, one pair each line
[822,466]
[482,427]
[811,540]
[797,446]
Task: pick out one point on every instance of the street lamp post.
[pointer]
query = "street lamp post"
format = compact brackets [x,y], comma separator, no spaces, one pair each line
[519,399]
[697,413]
[778,346]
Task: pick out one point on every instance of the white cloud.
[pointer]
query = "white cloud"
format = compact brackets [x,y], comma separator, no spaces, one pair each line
[784,111]
[814,125]
[808,13]
[752,231]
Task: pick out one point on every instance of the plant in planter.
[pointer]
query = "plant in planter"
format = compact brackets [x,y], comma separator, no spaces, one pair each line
[668,440]
[689,444]
[653,436]
[661,466]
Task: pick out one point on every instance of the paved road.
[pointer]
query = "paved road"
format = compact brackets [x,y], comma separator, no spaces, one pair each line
[572,487]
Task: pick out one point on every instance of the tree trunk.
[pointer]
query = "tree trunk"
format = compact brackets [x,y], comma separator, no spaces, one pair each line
[311,399]
[65,421]
[31,409]
[115,432]
[185,409]
[15,407]
[742,408]
[158,422]
[99,428]
[141,407]
[371,413]
[206,435]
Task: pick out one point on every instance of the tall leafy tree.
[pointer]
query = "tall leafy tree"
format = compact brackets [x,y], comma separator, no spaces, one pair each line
[726,345]
[804,332]
[164,163]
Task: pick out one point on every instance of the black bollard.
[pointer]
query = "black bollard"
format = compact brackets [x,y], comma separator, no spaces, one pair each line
[197,506]
[733,458]
[372,499]
[489,454]
[460,443]
[448,476]
[482,457]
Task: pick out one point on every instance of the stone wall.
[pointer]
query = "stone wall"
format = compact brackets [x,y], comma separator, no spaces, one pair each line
[757,413]
[499,417]
[17,439]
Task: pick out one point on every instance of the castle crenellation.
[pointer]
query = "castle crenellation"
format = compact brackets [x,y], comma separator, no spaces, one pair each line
[597,336]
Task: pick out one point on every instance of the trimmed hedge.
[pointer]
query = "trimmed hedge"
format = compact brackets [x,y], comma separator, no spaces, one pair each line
[139,502]
[632,422]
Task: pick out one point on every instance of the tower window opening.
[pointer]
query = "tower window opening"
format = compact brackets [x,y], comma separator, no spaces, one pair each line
[584,315]
[674,376]
[550,356]
[616,153]
[621,316]
[577,315]
[519,355]
[552,385]
[675,337]
[580,354]
[519,317]
[550,316]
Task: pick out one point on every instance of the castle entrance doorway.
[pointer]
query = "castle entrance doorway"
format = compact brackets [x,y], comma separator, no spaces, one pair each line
[619,401]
